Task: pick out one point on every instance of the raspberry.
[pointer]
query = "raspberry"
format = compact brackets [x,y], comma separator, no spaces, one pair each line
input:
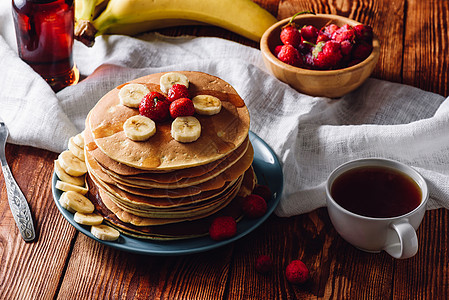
[326,55]
[297,272]
[290,55]
[181,107]
[263,191]
[264,264]
[222,228]
[177,91]
[309,33]
[154,106]
[254,206]
[290,35]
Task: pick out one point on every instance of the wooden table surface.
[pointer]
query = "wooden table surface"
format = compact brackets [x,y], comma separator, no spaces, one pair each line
[63,263]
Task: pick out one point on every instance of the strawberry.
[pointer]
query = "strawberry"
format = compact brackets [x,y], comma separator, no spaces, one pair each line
[364,33]
[344,33]
[362,50]
[329,30]
[326,55]
[290,35]
[154,106]
[309,33]
[181,108]
[277,50]
[290,55]
[177,91]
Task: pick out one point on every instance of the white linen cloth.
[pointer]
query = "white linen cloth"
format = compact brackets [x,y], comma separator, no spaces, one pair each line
[310,135]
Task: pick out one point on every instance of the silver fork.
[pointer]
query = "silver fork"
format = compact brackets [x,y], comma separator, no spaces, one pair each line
[17,202]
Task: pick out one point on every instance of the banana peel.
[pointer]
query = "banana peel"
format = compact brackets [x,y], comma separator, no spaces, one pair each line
[97,17]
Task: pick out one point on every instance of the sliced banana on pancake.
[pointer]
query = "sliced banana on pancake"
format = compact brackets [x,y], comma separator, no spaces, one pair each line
[131,94]
[75,149]
[65,186]
[186,129]
[169,79]
[104,232]
[76,180]
[88,219]
[78,202]
[206,105]
[79,140]
[139,128]
[71,164]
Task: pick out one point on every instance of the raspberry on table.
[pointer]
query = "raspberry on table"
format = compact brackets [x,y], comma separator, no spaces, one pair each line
[254,206]
[297,272]
[222,228]
[264,264]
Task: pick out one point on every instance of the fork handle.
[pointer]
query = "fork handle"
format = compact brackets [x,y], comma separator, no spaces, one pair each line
[19,206]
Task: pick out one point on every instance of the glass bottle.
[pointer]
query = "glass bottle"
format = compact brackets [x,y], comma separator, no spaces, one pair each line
[44,32]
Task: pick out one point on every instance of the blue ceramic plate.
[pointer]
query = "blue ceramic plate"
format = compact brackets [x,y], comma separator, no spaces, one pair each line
[268,171]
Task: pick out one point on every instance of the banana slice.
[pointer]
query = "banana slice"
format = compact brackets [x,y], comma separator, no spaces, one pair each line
[169,79]
[131,94]
[63,202]
[104,232]
[88,219]
[78,202]
[186,129]
[79,140]
[71,164]
[77,151]
[78,180]
[65,186]
[206,105]
[139,128]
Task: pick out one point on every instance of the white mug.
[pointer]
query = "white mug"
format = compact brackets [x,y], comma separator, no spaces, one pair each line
[395,235]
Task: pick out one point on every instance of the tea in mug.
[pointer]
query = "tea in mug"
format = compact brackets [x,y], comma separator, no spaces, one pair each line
[377,192]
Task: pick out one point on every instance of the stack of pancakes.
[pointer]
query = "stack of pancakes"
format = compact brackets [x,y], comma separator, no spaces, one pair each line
[160,188]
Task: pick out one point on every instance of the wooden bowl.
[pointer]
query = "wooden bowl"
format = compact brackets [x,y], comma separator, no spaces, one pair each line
[332,83]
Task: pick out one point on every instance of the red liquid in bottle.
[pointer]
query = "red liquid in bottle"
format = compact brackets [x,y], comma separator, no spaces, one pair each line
[44,31]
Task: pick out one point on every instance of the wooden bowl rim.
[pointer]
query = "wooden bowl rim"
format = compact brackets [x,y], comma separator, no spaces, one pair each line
[373,57]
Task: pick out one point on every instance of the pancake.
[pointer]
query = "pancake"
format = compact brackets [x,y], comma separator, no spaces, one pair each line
[221,133]
[172,231]
[160,188]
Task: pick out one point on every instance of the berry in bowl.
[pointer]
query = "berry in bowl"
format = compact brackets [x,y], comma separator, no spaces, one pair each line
[320,55]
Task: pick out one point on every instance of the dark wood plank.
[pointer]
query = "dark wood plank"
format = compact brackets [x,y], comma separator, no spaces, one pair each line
[32,270]
[426,51]
[96,272]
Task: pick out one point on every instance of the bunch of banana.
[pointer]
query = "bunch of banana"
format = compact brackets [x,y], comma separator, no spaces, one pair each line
[70,167]
[97,17]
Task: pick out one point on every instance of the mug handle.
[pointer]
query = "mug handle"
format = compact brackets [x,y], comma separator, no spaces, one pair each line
[402,241]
